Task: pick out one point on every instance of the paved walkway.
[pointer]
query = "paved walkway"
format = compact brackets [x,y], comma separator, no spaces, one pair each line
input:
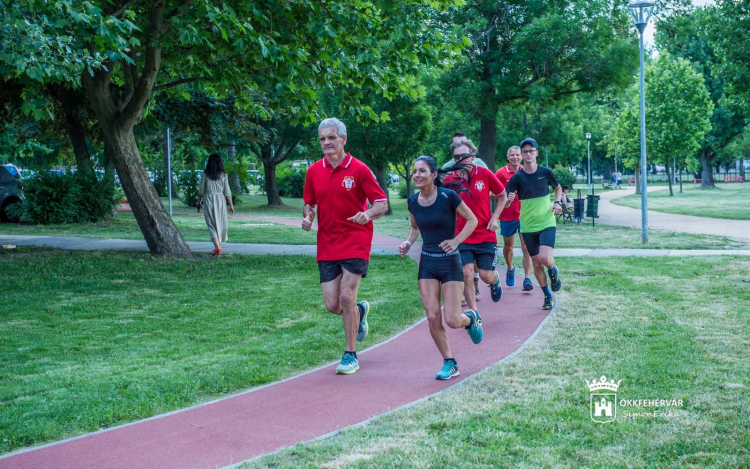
[612,214]
[96,244]
[224,432]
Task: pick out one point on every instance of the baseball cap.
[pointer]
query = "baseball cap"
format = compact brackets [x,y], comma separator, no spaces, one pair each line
[529,140]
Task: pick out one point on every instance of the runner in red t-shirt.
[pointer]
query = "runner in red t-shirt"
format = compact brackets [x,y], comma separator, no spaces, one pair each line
[481,246]
[338,187]
[510,223]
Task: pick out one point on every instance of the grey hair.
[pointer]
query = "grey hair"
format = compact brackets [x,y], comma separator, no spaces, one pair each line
[464,142]
[333,122]
[514,147]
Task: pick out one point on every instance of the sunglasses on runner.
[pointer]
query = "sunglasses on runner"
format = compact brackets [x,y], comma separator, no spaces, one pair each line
[462,156]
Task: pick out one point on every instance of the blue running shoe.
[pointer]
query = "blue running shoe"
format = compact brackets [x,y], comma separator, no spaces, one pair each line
[364,309]
[349,364]
[450,369]
[475,328]
[554,277]
[547,303]
[527,285]
[510,277]
[496,290]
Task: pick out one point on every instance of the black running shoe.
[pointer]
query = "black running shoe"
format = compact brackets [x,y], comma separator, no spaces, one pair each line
[554,277]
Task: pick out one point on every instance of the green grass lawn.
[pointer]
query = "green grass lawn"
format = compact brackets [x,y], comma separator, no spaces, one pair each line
[728,200]
[193,228]
[669,328]
[90,340]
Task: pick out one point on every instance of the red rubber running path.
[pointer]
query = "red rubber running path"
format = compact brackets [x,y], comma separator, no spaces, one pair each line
[262,420]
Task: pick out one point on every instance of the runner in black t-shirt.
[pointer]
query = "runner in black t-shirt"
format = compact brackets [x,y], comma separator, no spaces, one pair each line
[538,226]
[433,215]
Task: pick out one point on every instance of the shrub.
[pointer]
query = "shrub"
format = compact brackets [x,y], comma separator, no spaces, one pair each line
[290,181]
[68,198]
[187,183]
[564,176]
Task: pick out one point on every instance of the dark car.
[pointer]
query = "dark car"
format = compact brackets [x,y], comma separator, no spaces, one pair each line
[10,192]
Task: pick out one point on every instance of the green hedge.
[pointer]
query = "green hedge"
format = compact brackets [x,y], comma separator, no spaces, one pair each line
[52,198]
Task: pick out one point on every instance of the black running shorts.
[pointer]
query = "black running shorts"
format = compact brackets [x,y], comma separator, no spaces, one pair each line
[484,254]
[443,268]
[546,237]
[330,270]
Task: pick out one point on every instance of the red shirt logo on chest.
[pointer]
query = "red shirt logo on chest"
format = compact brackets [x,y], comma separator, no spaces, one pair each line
[479,185]
[348,183]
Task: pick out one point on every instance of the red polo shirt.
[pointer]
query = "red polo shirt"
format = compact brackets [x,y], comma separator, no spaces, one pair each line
[513,211]
[340,193]
[478,199]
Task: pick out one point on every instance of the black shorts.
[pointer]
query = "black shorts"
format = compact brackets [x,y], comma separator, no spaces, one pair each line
[484,254]
[329,270]
[443,269]
[546,237]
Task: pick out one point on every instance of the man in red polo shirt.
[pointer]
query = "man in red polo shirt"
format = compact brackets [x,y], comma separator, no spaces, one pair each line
[338,188]
[481,246]
[510,222]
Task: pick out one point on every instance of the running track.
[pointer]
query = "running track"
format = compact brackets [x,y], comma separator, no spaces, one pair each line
[313,404]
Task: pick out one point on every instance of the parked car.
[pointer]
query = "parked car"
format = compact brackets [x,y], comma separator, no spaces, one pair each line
[11,192]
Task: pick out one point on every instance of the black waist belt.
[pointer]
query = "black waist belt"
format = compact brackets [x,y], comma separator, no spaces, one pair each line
[439,254]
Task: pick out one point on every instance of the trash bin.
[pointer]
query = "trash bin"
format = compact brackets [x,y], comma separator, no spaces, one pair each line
[579,208]
[592,207]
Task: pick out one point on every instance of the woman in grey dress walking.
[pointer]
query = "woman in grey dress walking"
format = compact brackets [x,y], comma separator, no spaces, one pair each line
[215,193]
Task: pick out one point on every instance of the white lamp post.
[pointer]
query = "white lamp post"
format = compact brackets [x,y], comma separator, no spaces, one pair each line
[641,12]
[588,147]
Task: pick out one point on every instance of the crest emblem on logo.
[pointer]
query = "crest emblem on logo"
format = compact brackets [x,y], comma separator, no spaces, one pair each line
[479,185]
[348,182]
[603,399]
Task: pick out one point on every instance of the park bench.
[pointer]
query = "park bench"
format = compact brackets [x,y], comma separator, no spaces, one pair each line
[734,179]
[631,181]
[606,184]
[697,181]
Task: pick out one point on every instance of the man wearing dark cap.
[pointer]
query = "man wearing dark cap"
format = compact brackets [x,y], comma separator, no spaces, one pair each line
[538,224]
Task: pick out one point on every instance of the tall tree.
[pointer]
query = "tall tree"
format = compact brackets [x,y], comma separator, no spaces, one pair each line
[538,52]
[678,113]
[121,51]
[689,36]
[727,30]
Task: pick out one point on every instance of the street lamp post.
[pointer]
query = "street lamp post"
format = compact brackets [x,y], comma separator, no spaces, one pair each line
[588,147]
[641,12]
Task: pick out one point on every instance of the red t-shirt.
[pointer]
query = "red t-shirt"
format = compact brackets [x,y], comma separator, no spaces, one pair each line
[478,199]
[340,193]
[513,211]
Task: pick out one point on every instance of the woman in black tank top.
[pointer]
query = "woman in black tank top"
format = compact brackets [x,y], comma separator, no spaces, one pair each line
[433,215]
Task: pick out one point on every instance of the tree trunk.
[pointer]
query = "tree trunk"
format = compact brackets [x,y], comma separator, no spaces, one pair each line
[679,171]
[488,142]
[234,177]
[637,180]
[116,119]
[742,164]
[670,172]
[272,189]
[379,173]
[160,232]
[707,174]
[77,137]
[269,170]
